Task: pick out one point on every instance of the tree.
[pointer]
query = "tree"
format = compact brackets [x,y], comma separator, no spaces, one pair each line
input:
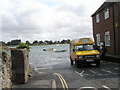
[56,42]
[68,41]
[14,42]
[63,41]
[41,42]
[46,42]
[22,46]
[50,42]
[27,42]
[8,43]
[2,43]
[35,42]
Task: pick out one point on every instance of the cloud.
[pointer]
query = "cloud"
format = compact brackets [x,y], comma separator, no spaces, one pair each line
[47,19]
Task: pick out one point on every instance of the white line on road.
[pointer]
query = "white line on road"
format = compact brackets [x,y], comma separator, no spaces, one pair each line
[106,71]
[106,87]
[115,73]
[116,68]
[41,68]
[100,74]
[92,71]
[39,72]
[86,74]
[80,73]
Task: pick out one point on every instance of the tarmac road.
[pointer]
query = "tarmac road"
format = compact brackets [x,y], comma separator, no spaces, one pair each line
[66,76]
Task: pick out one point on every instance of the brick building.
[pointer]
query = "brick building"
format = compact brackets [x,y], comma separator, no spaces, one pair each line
[106,27]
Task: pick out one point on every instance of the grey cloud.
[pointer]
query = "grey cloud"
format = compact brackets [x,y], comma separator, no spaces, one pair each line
[79,11]
[65,22]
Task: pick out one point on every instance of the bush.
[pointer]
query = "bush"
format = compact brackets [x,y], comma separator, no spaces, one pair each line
[23,46]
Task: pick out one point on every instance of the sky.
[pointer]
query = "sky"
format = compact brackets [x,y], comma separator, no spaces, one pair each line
[46,19]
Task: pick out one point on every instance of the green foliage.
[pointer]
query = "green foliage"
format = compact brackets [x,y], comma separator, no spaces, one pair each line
[22,46]
[14,42]
[36,42]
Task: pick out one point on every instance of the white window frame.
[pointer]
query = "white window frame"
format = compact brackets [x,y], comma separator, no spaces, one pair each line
[107,38]
[106,14]
[98,39]
[97,18]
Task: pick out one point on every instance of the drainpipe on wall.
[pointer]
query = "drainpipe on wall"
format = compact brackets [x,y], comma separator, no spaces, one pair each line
[114,28]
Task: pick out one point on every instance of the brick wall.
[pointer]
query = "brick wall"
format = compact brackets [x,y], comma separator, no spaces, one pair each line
[103,26]
[111,24]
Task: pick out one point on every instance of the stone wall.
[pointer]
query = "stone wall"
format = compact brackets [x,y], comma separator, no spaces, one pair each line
[14,66]
[5,68]
[20,65]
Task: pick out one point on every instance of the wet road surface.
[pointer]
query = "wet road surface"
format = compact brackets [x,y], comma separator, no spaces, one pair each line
[58,64]
[106,76]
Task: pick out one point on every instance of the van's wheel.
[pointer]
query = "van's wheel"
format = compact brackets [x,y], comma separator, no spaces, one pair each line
[98,63]
[76,63]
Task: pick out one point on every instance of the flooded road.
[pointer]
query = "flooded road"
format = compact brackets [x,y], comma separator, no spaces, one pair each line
[40,58]
[106,76]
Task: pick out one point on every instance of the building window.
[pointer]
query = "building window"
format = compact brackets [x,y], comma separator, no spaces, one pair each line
[106,14]
[107,38]
[98,39]
[97,18]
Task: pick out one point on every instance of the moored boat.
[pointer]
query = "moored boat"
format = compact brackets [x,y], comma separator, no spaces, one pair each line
[61,51]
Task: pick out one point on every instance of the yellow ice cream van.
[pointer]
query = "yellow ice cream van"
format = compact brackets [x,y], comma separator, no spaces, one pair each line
[83,51]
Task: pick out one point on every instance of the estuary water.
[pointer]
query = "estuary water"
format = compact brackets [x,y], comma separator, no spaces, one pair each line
[49,59]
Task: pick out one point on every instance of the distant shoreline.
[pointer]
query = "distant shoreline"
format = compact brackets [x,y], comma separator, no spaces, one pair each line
[36,45]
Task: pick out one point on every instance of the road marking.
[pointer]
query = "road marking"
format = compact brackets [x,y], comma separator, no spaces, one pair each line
[60,80]
[116,68]
[86,74]
[80,73]
[39,72]
[106,87]
[114,73]
[106,71]
[63,82]
[92,71]
[100,74]
[41,68]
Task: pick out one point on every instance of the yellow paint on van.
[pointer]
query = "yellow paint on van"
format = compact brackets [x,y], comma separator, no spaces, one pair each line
[90,52]
[79,41]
